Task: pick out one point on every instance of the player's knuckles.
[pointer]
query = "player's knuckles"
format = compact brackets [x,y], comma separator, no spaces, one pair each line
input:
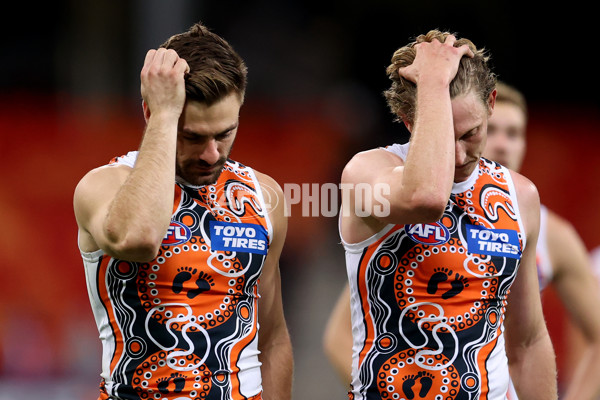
[162,73]
[171,54]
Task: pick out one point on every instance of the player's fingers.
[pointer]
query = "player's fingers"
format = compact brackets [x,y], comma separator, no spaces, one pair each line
[408,73]
[157,60]
[182,66]
[466,51]
[170,58]
[450,39]
[149,57]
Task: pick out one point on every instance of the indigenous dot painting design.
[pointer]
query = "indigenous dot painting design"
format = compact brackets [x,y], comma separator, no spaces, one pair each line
[184,326]
[433,305]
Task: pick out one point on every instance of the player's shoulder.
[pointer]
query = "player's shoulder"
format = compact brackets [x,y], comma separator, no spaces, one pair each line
[272,195]
[378,155]
[103,176]
[528,200]
[369,161]
[267,182]
[98,184]
[96,187]
[527,192]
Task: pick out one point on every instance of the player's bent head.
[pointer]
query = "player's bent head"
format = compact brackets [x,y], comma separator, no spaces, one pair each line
[216,69]
[473,73]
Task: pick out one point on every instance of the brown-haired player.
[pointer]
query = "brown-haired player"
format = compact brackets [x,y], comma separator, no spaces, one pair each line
[180,246]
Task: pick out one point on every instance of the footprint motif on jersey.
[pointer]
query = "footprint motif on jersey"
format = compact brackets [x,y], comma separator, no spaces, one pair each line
[425,380]
[203,283]
[184,275]
[440,275]
[178,381]
[457,286]
[407,385]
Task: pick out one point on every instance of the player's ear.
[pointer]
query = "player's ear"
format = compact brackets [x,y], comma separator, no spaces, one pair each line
[492,101]
[406,122]
[146,111]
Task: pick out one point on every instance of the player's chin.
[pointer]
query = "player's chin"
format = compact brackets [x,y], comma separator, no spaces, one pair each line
[202,180]
[201,176]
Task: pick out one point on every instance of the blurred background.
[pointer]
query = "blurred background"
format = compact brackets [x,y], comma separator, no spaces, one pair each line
[69,101]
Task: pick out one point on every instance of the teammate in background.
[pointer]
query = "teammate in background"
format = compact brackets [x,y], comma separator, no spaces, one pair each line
[430,308]
[562,259]
[175,238]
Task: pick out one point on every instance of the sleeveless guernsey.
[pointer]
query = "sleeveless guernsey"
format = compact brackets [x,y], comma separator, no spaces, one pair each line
[184,326]
[428,300]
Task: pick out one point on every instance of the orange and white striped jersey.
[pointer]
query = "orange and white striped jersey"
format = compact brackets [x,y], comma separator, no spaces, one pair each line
[184,326]
[428,300]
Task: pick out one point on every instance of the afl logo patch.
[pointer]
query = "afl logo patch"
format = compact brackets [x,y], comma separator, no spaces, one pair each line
[177,233]
[430,234]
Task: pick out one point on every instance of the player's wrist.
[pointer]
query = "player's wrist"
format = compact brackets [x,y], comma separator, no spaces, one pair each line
[166,117]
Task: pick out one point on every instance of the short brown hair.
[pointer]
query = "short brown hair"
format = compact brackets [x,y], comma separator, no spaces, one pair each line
[473,73]
[216,70]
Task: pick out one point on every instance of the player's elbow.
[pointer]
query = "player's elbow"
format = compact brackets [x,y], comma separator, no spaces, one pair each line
[429,205]
[420,208]
[138,247]
[430,209]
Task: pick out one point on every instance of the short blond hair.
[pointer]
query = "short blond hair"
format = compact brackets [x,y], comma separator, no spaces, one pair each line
[473,73]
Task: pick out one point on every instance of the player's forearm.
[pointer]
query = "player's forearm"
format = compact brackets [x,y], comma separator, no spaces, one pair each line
[140,212]
[277,368]
[534,370]
[431,155]
[429,167]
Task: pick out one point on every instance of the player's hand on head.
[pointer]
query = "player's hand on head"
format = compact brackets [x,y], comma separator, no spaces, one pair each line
[162,81]
[435,60]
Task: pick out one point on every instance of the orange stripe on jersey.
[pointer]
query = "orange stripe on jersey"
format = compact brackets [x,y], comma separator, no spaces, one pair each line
[482,359]
[362,279]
